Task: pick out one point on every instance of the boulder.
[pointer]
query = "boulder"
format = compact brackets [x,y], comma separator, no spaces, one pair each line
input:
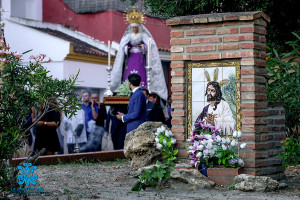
[140,147]
[189,179]
[246,182]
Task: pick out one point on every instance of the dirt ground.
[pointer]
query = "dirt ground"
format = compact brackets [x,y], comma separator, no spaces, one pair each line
[113,181]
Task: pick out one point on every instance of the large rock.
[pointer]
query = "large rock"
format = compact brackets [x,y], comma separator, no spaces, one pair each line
[189,179]
[246,182]
[140,145]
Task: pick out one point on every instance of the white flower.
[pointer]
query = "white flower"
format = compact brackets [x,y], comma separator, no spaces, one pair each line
[171,134]
[223,140]
[205,152]
[200,147]
[159,146]
[228,140]
[173,140]
[239,134]
[157,133]
[209,146]
[158,130]
[156,140]
[207,136]
[224,147]
[241,162]
[163,128]
[167,134]
[213,151]
[203,142]
[218,138]
[234,134]
[243,145]
[233,143]
[199,154]
[165,142]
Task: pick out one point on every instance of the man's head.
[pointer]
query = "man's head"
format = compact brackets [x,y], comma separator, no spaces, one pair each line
[146,92]
[134,80]
[85,96]
[153,97]
[95,98]
[213,91]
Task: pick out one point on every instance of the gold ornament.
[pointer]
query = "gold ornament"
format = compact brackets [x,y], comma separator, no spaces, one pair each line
[134,16]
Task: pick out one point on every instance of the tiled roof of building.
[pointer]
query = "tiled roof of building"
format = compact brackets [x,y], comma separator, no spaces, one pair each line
[93,6]
[79,45]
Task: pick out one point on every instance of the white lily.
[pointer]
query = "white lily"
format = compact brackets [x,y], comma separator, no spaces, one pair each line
[173,140]
[243,145]
[224,147]
[199,154]
[156,140]
[165,142]
[233,143]
[228,140]
[200,147]
[234,134]
[159,146]
[239,134]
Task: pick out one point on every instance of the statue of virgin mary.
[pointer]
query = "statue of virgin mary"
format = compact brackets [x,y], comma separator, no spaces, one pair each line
[131,58]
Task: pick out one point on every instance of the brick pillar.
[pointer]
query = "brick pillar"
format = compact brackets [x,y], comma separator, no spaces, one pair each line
[225,37]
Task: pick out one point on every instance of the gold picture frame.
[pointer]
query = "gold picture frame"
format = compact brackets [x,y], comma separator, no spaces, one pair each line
[191,66]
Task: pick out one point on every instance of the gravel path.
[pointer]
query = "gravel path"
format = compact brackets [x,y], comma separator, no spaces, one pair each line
[113,181]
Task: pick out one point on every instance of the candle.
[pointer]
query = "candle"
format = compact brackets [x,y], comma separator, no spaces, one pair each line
[108,53]
[149,53]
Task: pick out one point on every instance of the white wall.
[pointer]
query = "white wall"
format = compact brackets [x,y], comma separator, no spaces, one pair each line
[22,38]
[28,9]
[91,74]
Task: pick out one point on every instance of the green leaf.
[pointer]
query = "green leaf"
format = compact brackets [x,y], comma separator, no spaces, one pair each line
[137,186]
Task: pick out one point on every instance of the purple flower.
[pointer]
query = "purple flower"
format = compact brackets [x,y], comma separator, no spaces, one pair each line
[233,161]
[206,126]
[214,136]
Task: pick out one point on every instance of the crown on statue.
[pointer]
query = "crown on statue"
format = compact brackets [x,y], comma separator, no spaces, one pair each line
[134,17]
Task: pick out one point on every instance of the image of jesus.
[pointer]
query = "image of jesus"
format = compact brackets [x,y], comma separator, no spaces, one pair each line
[217,112]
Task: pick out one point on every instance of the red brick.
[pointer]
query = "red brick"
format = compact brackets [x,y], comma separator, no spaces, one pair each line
[251,121]
[176,34]
[254,96]
[208,25]
[178,97]
[250,105]
[201,32]
[178,130]
[249,37]
[177,65]
[206,57]
[180,57]
[254,173]
[237,23]
[200,48]
[254,80]
[279,136]
[253,128]
[227,31]
[261,31]
[247,45]
[230,18]
[180,41]
[183,154]
[177,73]
[246,30]
[172,22]
[279,121]
[180,27]
[177,88]
[263,39]
[257,146]
[206,40]
[178,105]
[177,122]
[178,113]
[186,21]
[228,46]
[253,88]
[252,155]
[179,137]
[254,113]
[181,145]
[256,164]
[254,71]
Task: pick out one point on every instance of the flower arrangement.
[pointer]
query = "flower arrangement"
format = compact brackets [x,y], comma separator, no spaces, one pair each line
[210,148]
[124,89]
[153,175]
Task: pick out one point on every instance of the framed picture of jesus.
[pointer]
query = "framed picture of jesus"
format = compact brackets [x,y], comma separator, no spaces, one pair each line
[214,95]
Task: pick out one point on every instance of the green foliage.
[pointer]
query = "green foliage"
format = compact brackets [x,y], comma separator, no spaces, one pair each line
[124,89]
[161,170]
[283,82]
[23,86]
[283,13]
[291,153]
